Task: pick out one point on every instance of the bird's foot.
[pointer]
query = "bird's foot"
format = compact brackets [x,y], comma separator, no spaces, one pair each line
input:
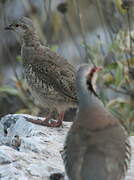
[46,122]
[61,117]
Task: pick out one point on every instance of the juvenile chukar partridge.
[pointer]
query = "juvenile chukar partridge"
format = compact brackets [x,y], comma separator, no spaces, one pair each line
[50,77]
[96,146]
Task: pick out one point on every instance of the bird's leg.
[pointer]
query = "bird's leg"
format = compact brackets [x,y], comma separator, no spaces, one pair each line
[54,123]
[48,117]
[61,118]
[48,121]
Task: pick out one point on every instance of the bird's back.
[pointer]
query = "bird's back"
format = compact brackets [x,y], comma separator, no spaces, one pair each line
[50,73]
[96,154]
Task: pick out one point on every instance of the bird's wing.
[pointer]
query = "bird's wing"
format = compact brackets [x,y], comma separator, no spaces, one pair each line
[73,155]
[82,162]
[93,166]
[107,160]
[56,71]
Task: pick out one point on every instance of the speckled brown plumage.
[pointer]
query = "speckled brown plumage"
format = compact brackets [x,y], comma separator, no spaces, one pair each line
[50,77]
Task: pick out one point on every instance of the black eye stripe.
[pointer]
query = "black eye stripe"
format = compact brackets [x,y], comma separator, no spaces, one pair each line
[90,88]
[89,83]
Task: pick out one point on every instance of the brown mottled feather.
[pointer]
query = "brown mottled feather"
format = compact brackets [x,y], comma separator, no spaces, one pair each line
[49,76]
[53,70]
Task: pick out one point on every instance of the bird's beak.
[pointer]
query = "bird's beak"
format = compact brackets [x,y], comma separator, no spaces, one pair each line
[10,27]
[98,69]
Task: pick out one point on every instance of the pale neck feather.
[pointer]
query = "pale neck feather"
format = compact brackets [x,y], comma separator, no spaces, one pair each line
[92,113]
[30,38]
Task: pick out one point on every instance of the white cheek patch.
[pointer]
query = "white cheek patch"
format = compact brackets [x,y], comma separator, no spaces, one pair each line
[91,84]
[93,81]
[17,36]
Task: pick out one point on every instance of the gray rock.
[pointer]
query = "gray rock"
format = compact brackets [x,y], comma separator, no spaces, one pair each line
[29,151]
[33,152]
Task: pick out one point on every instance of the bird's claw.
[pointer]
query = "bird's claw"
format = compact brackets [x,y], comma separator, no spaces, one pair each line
[46,122]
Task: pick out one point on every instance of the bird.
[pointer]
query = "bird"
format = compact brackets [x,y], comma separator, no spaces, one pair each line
[97,145]
[50,77]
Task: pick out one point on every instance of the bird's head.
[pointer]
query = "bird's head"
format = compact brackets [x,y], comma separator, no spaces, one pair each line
[21,25]
[86,77]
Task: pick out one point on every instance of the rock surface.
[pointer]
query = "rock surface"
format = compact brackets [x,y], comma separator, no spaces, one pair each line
[33,152]
[29,151]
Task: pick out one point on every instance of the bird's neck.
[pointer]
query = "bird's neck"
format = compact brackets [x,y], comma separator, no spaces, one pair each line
[88,101]
[31,39]
[91,113]
[87,98]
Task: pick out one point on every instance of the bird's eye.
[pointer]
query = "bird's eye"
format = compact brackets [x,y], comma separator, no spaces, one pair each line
[16,25]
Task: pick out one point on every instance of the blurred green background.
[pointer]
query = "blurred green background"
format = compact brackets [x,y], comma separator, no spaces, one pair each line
[98,32]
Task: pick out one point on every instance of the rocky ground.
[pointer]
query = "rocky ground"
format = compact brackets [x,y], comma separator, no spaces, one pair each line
[33,152]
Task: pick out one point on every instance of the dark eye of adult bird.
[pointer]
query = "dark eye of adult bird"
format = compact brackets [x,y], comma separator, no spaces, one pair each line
[17,25]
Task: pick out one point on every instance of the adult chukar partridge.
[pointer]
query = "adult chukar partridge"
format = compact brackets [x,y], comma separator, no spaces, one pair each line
[49,76]
[96,146]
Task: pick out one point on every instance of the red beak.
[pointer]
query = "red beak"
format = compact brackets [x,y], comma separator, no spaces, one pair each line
[98,69]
